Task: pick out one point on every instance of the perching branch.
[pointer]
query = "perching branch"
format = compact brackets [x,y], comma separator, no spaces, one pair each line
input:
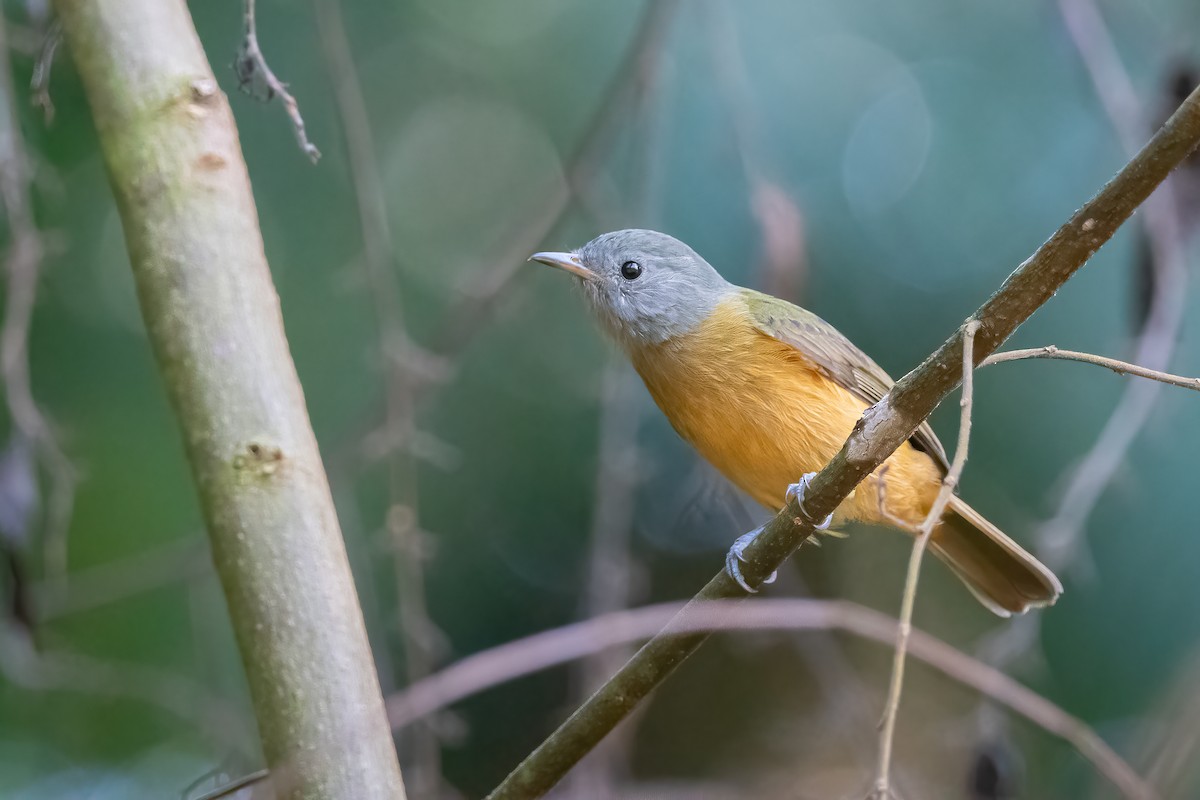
[1119,367]
[256,79]
[949,484]
[516,659]
[213,318]
[883,428]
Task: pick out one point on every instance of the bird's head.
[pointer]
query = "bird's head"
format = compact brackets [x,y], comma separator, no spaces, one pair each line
[645,287]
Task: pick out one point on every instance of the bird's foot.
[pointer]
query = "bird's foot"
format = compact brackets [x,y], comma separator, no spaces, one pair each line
[796,492]
[736,557]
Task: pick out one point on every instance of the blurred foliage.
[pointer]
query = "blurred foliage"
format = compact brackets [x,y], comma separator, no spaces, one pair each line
[929,146]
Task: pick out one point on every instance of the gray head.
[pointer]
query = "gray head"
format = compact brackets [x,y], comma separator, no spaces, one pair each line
[645,287]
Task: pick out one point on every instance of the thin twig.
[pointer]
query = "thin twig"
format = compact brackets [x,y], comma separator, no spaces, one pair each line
[489,668]
[251,67]
[904,630]
[882,429]
[1119,367]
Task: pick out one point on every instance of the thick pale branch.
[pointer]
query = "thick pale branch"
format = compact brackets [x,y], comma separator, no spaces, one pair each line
[213,318]
[883,428]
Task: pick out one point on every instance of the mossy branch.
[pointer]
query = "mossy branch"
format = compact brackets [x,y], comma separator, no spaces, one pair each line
[213,318]
[882,429]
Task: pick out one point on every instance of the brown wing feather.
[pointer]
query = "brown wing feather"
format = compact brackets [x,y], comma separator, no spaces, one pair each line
[835,355]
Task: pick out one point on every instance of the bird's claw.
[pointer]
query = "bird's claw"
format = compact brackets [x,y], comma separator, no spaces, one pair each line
[736,557]
[796,492]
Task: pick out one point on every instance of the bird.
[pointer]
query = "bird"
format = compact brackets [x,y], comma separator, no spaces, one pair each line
[767,392]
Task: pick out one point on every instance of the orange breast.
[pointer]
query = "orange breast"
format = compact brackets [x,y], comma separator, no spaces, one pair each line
[760,413]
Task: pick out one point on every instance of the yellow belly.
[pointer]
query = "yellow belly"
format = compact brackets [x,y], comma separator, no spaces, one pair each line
[764,416]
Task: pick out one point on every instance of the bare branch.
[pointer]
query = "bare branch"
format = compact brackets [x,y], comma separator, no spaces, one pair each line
[492,667]
[883,428]
[1119,367]
[256,79]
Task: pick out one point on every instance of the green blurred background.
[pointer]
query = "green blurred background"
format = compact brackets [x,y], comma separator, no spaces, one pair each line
[886,164]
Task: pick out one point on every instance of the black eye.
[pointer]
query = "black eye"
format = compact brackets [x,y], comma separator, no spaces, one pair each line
[630,270]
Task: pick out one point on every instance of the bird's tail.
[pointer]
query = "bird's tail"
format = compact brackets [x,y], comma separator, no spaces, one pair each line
[997,570]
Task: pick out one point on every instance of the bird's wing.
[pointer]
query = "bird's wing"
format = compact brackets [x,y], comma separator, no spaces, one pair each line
[833,354]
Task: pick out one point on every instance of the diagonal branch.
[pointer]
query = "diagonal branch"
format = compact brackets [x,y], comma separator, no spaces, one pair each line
[882,429]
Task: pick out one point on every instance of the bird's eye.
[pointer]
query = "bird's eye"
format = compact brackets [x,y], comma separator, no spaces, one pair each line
[630,270]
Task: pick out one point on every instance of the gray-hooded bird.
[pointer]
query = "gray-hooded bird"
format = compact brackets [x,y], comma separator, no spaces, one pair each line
[768,392]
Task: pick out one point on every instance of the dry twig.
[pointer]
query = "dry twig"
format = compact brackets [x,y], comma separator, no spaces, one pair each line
[256,79]
[904,631]
[1119,367]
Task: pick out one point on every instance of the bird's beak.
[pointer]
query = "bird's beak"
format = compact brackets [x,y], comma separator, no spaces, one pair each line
[565,261]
